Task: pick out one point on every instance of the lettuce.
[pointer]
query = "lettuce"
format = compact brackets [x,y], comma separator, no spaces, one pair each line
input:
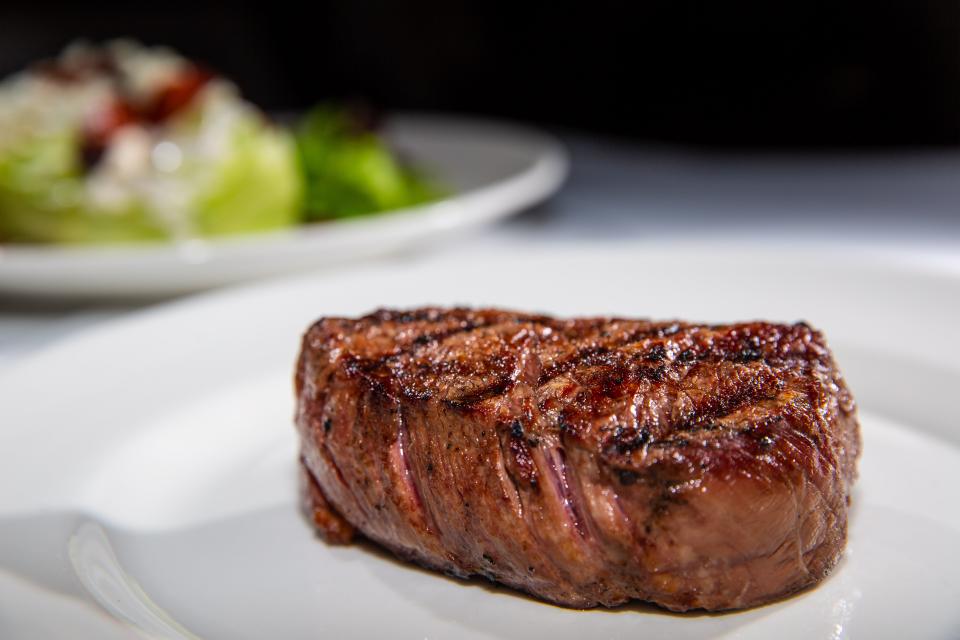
[264,178]
[349,171]
[258,186]
[254,185]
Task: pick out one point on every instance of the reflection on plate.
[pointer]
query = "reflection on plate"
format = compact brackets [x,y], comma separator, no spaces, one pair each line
[147,476]
[494,170]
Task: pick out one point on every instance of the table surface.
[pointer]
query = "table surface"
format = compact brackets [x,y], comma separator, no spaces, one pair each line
[905,203]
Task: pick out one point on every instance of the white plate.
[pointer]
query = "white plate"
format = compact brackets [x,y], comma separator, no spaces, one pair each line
[147,466]
[493,169]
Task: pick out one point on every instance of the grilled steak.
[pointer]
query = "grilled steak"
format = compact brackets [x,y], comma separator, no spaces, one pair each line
[588,461]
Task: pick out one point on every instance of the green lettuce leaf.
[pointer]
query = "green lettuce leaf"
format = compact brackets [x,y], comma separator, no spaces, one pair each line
[255,186]
[349,171]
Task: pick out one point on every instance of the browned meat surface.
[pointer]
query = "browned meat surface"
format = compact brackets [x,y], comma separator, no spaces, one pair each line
[587,462]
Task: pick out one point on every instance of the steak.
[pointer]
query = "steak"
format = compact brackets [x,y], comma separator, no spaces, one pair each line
[588,461]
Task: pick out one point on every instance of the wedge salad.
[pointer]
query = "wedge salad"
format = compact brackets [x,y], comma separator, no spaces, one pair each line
[127,143]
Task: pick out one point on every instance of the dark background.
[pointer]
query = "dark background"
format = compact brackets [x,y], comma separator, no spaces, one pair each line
[797,74]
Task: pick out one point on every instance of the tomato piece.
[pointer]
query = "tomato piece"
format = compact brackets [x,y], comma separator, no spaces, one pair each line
[177,95]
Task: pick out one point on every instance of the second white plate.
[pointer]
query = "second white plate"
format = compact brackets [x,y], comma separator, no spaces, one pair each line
[493,169]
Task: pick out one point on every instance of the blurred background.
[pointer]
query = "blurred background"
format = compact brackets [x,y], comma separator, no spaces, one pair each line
[800,123]
[808,75]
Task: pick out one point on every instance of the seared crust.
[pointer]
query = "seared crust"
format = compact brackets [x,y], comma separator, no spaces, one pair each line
[587,461]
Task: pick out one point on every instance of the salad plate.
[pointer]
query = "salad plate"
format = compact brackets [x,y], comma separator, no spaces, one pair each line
[488,169]
[148,465]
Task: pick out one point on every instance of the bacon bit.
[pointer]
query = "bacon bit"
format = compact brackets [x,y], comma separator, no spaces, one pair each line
[104,123]
[119,112]
[101,126]
[177,95]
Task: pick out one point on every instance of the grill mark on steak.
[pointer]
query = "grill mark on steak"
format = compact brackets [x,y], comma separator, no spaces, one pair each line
[594,354]
[764,386]
[440,336]
[587,356]
[745,350]
[376,372]
[470,400]
[596,460]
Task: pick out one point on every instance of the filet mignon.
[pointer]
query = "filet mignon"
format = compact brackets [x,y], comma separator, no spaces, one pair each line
[588,461]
